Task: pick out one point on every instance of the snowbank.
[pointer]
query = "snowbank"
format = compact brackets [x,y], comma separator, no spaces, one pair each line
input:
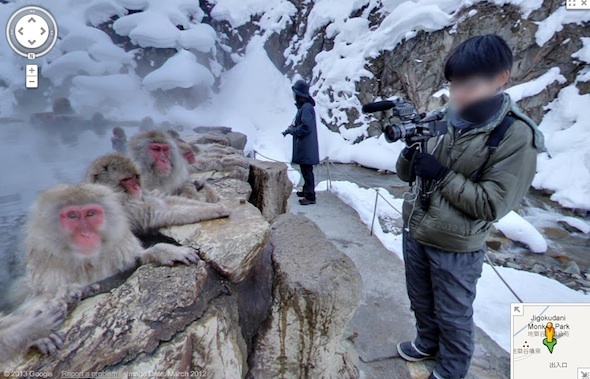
[536,86]
[516,228]
[180,71]
[492,305]
[554,23]
[565,170]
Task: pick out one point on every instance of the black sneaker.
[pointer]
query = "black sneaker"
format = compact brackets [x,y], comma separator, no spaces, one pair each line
[306,202]
[409,352]
[300,194]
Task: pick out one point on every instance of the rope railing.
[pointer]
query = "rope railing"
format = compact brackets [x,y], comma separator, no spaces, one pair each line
[327,163]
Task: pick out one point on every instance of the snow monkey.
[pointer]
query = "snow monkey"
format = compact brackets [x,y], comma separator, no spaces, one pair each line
[148,213]
[79,235]
[34,324]
[163,168]
[119,140]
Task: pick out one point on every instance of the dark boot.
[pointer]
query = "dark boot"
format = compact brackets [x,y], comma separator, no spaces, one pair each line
[300,194]
[306,202]
[409,352]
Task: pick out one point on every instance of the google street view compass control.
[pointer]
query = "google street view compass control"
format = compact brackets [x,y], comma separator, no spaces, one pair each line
[31,32]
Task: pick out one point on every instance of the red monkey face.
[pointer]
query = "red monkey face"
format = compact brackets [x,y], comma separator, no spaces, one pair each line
[189,156]
[83,224]
[131,186]
[160,153]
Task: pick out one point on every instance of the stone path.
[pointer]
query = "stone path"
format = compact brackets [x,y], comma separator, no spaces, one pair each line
[384,317]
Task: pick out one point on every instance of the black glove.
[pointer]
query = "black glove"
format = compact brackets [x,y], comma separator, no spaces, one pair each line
[408,152]
[286,132]
[429,168]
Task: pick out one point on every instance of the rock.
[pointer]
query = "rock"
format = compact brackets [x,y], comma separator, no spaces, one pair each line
[572,268]
[211,347]
[237,140]
[212,129]
[539,269]
[271,187]
[135,318]
[228,189]
[210,138]
[239,173]
[316,292]
[513,265]
[230,245]
[555,233]
[255,296]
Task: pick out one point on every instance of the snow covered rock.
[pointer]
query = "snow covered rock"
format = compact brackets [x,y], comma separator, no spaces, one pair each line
[516,228]
[316,292]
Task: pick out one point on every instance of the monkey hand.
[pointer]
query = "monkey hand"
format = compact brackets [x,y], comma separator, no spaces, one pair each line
[223,211]
[75,294]
[167,255]
[50,344]
[183,254]
[50,316]
[211,195]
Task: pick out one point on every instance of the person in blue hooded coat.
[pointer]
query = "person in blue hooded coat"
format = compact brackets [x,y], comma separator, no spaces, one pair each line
[305,140]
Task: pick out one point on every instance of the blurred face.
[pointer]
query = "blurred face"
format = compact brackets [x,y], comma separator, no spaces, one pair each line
[464,92]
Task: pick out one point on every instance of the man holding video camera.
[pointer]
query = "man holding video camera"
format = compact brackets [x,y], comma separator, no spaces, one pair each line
[474,174]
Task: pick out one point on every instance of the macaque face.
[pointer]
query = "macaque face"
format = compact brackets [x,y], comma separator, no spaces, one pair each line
[83,225]
[131,186]
[160,153]
[189,156]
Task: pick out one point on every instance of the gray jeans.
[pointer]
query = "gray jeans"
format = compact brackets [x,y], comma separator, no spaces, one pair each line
[442,286]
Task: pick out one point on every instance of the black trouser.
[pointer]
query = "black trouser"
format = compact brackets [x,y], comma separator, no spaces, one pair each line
[309,181]
[442,286]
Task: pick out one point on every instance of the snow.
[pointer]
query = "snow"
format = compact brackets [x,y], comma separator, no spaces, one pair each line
[536,86]
[239,12]
[200,37]
[555,22]
[156,25]
[584,53]
[565,170]
[180,71]
[577,223]
[492,304]
[516,228]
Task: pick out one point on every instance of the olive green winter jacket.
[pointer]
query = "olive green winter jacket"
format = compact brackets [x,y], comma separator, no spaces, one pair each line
[461,211]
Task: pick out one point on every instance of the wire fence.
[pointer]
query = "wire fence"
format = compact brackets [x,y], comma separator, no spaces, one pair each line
[327,163]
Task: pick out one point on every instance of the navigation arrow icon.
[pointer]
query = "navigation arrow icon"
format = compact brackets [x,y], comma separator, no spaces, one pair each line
[32,19]
[32,42]
[21,31]
[43,31]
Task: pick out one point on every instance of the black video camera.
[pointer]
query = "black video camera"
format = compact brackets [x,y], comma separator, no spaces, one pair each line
[414,127]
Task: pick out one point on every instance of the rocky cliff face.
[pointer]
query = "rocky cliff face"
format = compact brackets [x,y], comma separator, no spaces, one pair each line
[269,301]
[413,69]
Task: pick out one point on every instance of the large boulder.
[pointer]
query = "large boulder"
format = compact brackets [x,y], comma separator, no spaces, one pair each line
[211,347]
[316,291]
[271,187]
[135,318]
